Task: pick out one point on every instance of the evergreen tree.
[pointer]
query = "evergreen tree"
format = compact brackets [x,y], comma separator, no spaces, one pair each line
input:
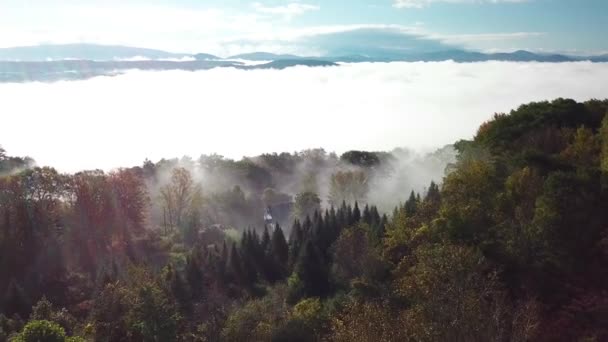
[235,267]
[349,215]
[356,213]
[180,291]
[251,258]
[265,243]
[16,300]
[295,243]
[433,195]
[312,272]
[279,247]
[375,216]
[411,205]
[194,276]
[367,216]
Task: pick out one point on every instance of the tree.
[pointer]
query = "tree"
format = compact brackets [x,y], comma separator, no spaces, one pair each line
[37,331]
[109,313]
[310,277]
[307,203]
[411,204]
[604,142]
[369,322]
[235,267]
[361,158]
[272,197]
[453,297]
[279,250]
[585,149]
[256,319]
[356,213]
[177,195]
[153,317]
[265,242]
[355,258]
[348,186]
[16,300]
[433,194]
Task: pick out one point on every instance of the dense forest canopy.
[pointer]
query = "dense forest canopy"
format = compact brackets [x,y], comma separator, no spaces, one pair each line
[500,238]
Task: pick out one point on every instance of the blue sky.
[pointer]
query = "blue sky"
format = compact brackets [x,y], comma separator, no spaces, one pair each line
[228,26]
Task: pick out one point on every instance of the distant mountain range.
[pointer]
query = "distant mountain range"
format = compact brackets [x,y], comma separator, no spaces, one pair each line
[96,52]
[13,72]
[455,55]
[80,61]
[82,51]
[266,56]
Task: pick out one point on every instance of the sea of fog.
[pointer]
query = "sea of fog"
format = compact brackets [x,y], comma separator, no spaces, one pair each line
[107,122]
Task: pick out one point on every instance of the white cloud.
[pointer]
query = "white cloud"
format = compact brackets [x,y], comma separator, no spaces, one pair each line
[218,31]
[288,11]
[425,3]
[484,37]
[118,121]
[490,42]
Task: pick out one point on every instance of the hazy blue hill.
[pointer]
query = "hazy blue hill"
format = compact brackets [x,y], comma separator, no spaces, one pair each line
[205,56]
[50,71]
[264,56]
[81,51]
[602,58]
[83,69]
[527,56]
[286,63]
[467,56]
[95,52]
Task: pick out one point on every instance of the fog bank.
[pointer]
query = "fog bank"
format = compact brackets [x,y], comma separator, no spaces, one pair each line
[108,122]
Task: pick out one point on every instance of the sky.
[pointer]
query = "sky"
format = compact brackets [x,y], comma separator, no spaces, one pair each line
[109,122]
[226,27]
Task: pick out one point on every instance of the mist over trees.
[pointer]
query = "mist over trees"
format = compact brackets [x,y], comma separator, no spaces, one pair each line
[498,238]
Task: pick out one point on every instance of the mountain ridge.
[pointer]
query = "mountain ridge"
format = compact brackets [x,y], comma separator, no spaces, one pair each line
[98,52]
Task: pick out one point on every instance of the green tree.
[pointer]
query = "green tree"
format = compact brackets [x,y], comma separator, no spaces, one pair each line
[279,248]
[349,186]
[176,196]
[307,203]
[41,330]
[153,317]
[604,142]
[310,277]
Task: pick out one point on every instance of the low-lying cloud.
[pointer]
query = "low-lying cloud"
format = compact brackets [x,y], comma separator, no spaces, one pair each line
[108,122]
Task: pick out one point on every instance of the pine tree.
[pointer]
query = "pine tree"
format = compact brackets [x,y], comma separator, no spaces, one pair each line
[604,143]
[356,213]
[295,243]
[411,205]
[367,216]
[180,291]
[349,215]
[235,267]
[251,260]
[279,247]
[312,272]
[375,216]
[194,276]
[16,300]
[265,243]
[307,226]
[433,195]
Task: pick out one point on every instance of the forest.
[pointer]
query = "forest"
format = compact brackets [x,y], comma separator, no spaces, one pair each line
[503,237]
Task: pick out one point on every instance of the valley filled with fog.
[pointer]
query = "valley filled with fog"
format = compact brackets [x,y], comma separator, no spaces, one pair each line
[107,122]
